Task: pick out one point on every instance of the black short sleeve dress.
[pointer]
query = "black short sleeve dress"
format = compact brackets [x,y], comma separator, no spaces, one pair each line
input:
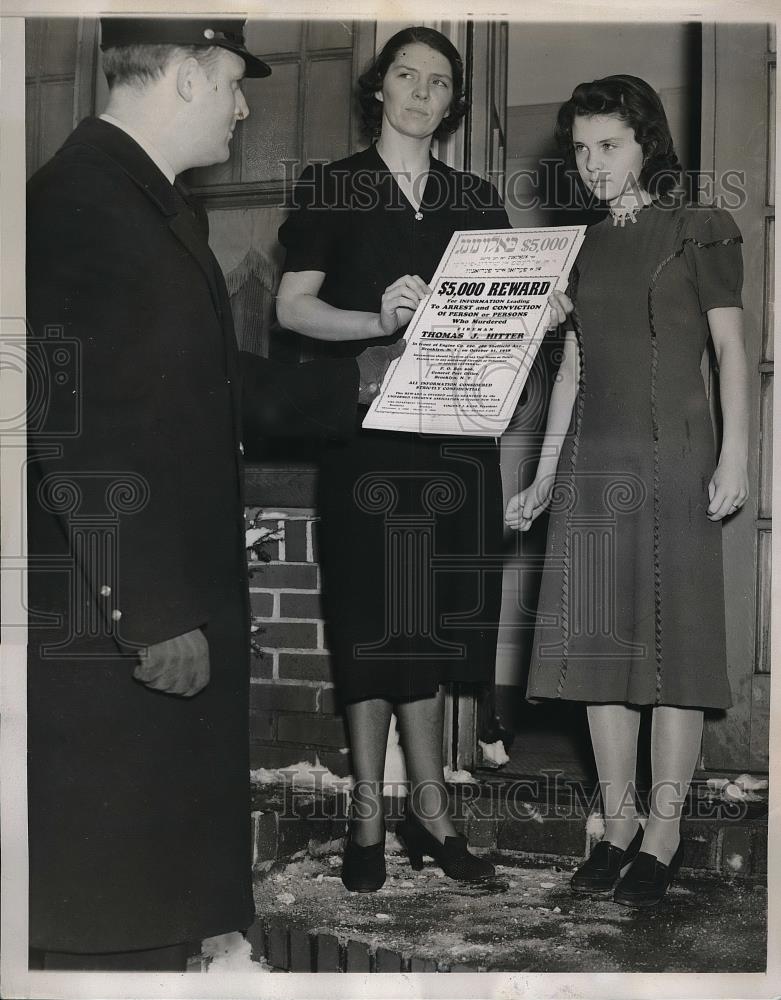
[631,606]
[411,525]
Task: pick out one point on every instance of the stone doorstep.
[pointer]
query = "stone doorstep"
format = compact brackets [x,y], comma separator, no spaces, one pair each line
[292,948]
[312,945]
[285,824]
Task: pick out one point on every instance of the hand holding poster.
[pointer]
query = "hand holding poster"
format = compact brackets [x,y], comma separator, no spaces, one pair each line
[472,343]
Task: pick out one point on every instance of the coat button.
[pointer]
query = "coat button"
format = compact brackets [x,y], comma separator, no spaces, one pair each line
[116,614]
[105,590]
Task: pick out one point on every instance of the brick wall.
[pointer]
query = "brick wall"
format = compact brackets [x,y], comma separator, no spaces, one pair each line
[293,709]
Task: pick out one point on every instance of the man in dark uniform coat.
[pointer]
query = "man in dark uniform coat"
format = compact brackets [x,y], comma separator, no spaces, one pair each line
[138,665]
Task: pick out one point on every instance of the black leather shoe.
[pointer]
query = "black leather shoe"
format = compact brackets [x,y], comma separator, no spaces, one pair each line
[363,868]
[647,881]
[600,872]
[452,856]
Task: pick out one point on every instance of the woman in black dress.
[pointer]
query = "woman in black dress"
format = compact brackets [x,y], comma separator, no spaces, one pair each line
[407,520]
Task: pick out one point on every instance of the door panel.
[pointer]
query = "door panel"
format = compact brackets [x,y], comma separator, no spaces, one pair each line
[739,73]
[478,147]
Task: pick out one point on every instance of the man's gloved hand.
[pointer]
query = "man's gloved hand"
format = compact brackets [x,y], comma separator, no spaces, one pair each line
[372,366]
[176,666]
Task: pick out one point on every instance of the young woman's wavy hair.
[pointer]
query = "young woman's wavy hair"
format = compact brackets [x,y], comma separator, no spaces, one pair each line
[638,105]
[371,81]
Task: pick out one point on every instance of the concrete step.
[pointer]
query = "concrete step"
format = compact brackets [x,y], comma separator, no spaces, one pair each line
[536,818]
[530,921]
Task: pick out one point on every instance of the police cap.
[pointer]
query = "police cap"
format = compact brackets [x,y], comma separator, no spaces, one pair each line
[227,33]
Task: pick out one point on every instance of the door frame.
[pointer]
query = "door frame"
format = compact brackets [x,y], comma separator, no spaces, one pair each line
[737,62]
[479,147]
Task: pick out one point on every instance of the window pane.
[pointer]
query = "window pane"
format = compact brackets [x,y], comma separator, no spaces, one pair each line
[217,173]
[270,133]
[56,116]
[766,456]
[771,135]
[245,243]
[329,101]
[763,602]
[770,287]
[329,35]
[60,46]
[266,38]
[31,127]
[499,33]
[34,28]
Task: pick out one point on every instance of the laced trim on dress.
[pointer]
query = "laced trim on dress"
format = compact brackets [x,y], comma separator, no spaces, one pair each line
[565,587]
[658,631]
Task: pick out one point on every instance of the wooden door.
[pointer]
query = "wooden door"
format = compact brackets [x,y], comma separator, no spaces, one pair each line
[480,148]
[59,82]
[739,64]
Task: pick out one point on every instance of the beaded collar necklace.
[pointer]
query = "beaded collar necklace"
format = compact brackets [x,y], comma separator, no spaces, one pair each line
[621,216]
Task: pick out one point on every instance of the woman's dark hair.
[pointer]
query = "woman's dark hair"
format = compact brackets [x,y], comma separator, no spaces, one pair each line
[636,103]
[371,81]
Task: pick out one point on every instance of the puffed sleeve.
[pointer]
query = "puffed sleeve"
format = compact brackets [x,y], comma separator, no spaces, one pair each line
[712,247]
[307,233]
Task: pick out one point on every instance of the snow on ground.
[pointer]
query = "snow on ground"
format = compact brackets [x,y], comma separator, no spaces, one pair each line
[494,754]
[304,774]
[528,920]
[459,777]
[230,953]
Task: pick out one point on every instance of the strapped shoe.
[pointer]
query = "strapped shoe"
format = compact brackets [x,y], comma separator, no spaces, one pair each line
[453,857]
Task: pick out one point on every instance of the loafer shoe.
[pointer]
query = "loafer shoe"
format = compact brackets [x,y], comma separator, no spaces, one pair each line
[647,881]
[600,872]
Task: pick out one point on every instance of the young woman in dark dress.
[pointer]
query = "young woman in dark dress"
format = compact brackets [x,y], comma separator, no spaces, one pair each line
[363,238]
[633,577]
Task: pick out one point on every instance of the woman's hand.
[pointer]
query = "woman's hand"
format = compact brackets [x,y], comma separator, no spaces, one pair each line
[728,489]
[399,302]
[560,306]
[525,507]
[373,363]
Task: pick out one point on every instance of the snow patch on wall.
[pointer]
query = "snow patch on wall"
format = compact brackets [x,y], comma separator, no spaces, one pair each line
[595,825]
[744,788]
